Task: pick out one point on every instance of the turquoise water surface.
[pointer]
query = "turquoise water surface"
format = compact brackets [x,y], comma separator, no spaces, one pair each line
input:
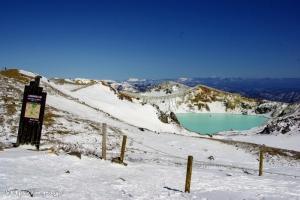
[211,123]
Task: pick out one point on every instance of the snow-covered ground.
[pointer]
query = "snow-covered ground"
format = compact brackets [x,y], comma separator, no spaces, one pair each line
[289,141]
[156,157]
[45,175]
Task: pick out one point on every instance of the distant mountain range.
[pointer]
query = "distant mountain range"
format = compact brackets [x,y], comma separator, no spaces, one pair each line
[274,89]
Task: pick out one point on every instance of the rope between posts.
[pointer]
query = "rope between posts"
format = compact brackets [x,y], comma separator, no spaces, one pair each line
[203,163]
[207,163]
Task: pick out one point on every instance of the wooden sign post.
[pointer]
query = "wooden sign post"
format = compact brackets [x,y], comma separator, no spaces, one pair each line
[32,114]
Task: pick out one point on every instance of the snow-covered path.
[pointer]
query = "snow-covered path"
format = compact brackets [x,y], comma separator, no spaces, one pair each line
[43,175]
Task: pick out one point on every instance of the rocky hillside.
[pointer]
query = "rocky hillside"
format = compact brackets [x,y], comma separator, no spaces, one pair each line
[205,98]
[165,88]
[287,121]
[175,97]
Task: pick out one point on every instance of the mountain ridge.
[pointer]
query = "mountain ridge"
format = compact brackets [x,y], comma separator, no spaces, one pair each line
[162,105]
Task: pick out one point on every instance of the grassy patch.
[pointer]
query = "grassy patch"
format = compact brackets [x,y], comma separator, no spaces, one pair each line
[233,103]
[15,74]
[14,129]
[60,81]
[125,96]
[1,120]
[202,105]
[207,95]
[49,118]
[201,97]
[204,95]
[11,109]
[238,101]
[8,99]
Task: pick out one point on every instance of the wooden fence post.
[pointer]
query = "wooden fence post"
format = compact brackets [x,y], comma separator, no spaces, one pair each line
[261,161]
[188,174]
[123,148]
[104,128]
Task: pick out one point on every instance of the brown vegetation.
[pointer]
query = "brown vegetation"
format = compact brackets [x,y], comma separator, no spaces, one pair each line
[11,109]
[49,117]
[15,74]
[125,96]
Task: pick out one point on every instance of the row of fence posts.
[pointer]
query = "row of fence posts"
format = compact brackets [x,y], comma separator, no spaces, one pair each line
[188,177]
[120,159]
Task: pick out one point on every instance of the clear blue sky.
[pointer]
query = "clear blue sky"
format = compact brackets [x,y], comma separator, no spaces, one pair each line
[152,39]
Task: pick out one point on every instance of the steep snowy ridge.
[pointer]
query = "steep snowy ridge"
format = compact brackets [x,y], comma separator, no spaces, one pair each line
[132,112]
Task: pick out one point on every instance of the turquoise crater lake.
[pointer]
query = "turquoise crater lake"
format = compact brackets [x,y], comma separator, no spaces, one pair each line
[212,123]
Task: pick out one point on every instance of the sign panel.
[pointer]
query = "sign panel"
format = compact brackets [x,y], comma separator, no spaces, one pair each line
[32,110]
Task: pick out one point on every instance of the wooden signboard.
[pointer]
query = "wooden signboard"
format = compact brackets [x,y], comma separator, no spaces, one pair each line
[32,114]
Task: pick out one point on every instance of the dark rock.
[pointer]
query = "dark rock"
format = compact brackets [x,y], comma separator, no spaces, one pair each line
[141,129]
[246,106]
[246,172]
[285,129]
[122,179]
[163,117]
[174,118]
[268,129]
[263,110]
[168,91]
[211,158]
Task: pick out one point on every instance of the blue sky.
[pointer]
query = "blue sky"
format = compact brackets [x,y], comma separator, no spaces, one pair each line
[152,39]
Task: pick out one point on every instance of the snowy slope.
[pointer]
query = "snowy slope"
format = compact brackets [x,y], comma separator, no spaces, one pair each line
[40,175]
[102,97]
[134,113]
